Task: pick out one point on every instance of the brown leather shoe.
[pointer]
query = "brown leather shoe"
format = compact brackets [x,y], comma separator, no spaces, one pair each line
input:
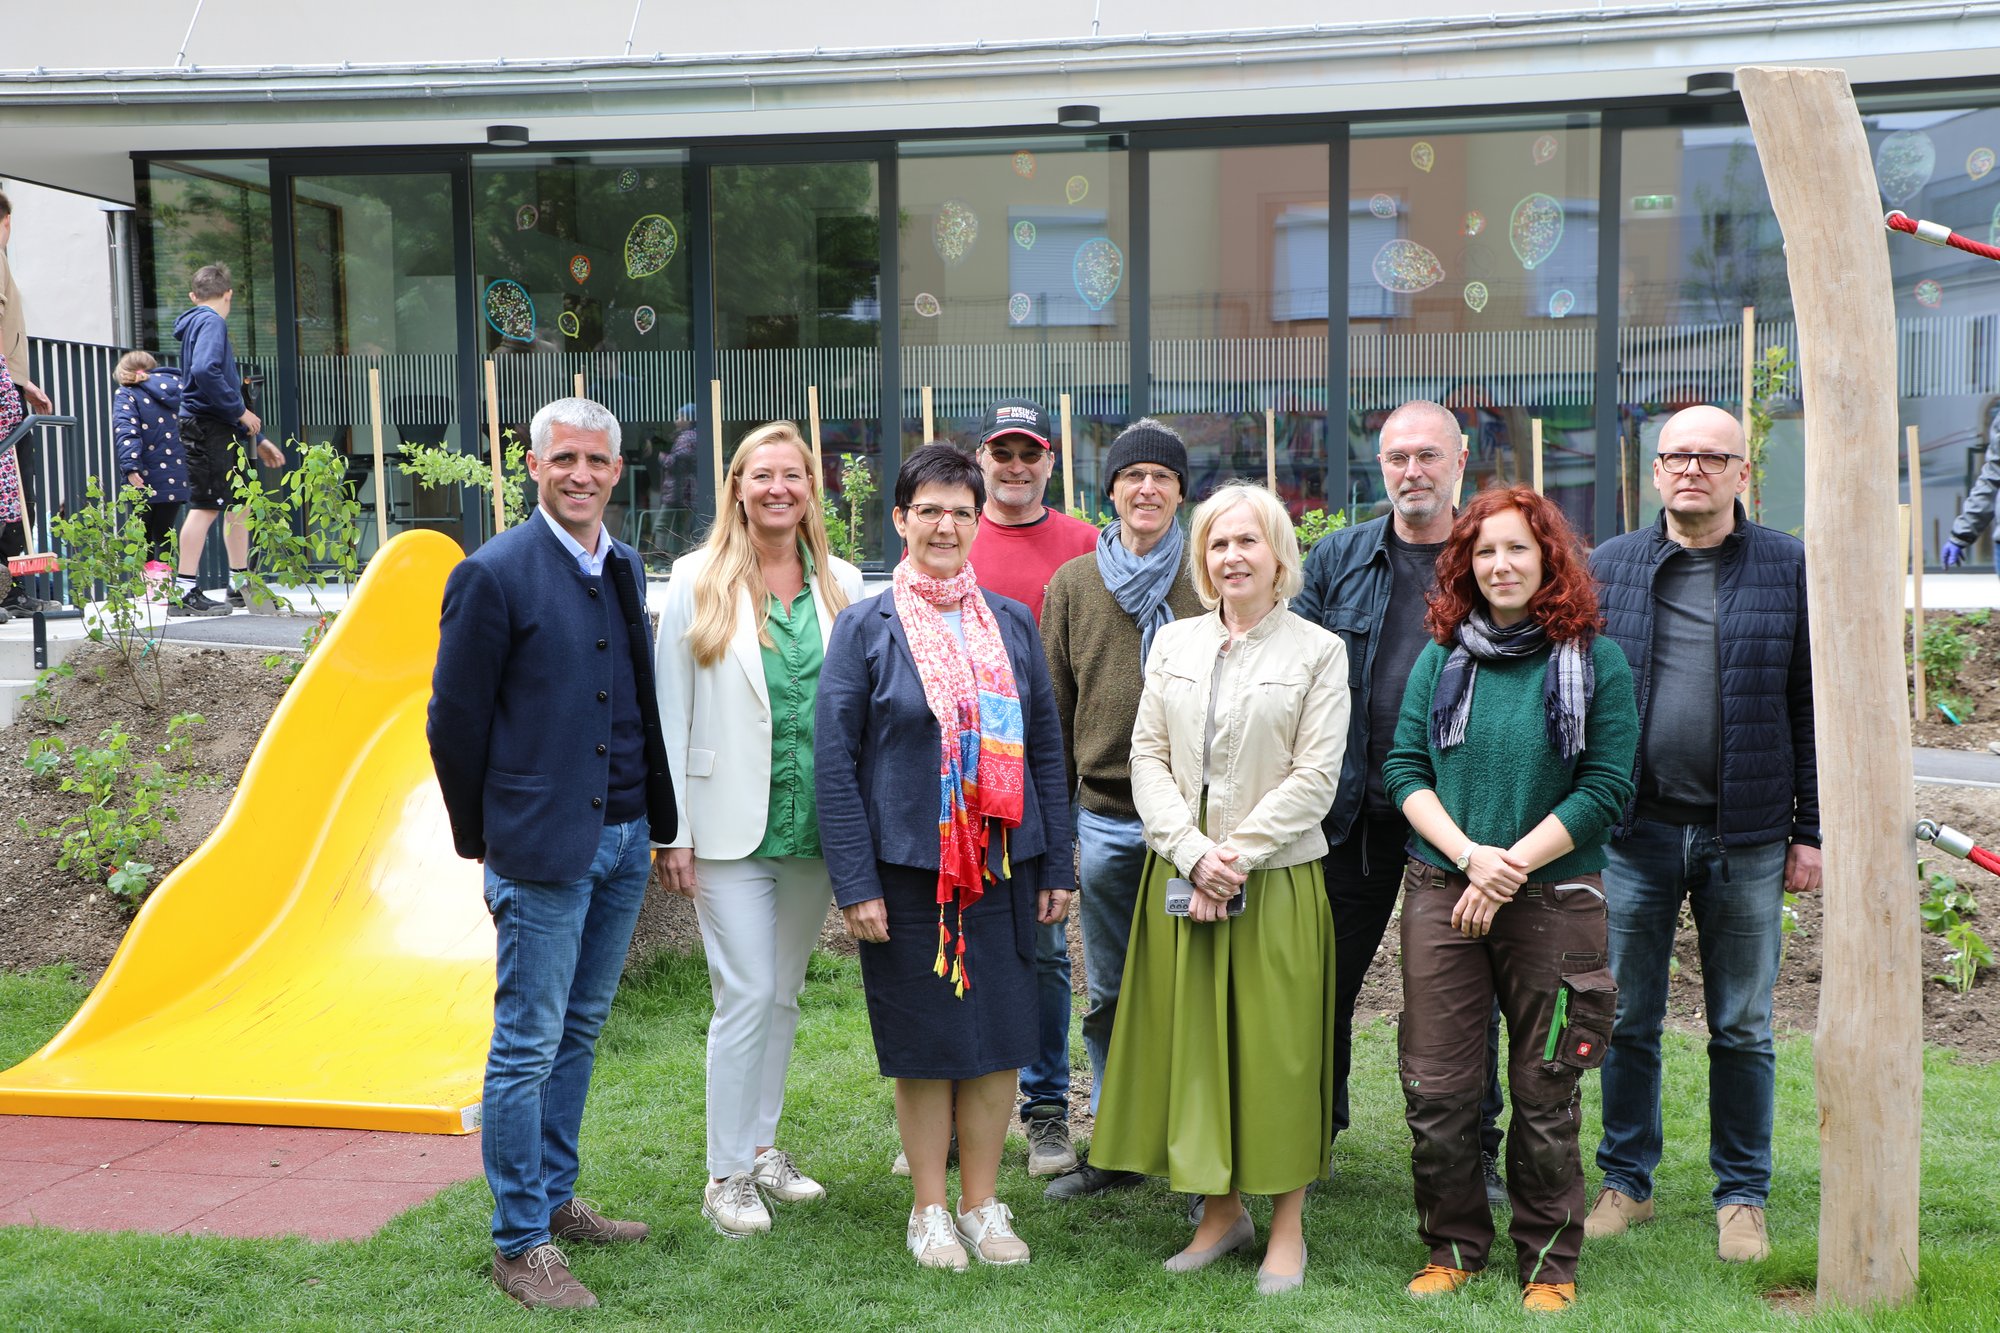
[1741,1237]
[579,1220]
[540,1279]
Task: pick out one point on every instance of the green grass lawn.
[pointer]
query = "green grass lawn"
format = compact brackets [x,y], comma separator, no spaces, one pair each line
[841,1264]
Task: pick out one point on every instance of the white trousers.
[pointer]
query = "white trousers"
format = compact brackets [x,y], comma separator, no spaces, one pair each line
[760,918]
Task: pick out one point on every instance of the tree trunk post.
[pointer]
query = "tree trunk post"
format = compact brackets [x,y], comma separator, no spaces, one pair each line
[1868,1055]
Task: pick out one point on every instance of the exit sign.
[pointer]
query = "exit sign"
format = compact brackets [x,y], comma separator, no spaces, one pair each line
[1654,203]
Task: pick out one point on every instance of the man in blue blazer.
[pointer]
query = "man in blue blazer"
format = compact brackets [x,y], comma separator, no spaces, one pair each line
[545,732]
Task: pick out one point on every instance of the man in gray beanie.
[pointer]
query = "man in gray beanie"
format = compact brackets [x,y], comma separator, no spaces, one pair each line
[1097,623]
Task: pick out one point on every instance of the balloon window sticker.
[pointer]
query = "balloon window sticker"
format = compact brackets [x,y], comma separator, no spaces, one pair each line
[650,246]
[1904,163]
[1075,189]
[1099,270]
[1019,307]
[1024,234]
[1422,156]
[1544,149]
[1024,165]
[1561,302]
[1930,295]
[926,305]
[569,324]
[510,310]
[643,319]
[1406,267]
[579,267]
[628,181]
[525,217]
[1535,229]
[1978,162]
[1474,224]
[1382,206]
[954,231]
[1475,296]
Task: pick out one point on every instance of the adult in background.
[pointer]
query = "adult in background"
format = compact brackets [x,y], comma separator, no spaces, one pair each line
[545,732]
[27,399]
[742,637]
[146,438]
[1975,516]
[1220,1072]
[1369,584]
[1019,546]
[1513,757]
[935,686]
[1099,623]
[1711,610]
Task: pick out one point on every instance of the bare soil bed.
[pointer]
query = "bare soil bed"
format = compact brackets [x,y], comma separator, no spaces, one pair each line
[1978,685]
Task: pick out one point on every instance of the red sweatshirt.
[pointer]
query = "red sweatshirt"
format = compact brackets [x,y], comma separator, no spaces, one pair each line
[1018,561]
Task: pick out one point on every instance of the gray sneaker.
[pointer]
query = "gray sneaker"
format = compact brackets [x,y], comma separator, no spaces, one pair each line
[1050,1152]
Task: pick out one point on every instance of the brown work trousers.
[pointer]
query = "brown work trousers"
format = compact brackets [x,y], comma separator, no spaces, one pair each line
[1550,940]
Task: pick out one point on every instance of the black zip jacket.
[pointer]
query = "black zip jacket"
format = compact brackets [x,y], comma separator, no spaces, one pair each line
[1347,586]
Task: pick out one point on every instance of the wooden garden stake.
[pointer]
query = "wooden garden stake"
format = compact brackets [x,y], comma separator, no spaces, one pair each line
[1535,442]
[715,421]
[1271,450]
[493,447]
[381,476]
[1868,1052]
[1916,568]
[579,384]
[1749,393]
[930,422]
[1068,462]
[1624,488]
[1458,482]
[812,421]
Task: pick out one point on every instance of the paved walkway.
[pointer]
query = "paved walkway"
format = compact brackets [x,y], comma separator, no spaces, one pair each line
[1957,768]
[220,1180]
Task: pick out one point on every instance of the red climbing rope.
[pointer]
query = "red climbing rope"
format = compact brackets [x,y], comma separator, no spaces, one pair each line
[1949,839]
[1939,234]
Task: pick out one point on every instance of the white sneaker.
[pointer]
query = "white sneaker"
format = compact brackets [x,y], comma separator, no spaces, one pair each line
[988,1231]
[776,1176]
[734,1207]
[933,1242]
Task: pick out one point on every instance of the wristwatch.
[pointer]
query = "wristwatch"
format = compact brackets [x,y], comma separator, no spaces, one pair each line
[1464,858]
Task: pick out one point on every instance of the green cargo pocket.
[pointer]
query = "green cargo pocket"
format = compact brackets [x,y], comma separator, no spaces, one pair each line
[1586,1007]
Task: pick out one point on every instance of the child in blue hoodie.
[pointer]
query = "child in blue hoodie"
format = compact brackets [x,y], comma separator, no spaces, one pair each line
[145,429]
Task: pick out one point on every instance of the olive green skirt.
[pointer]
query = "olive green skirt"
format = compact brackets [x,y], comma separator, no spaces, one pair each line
[1220,1074]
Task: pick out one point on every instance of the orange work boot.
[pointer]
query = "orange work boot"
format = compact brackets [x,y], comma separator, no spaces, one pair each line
[1548,1297]
[1437,1280]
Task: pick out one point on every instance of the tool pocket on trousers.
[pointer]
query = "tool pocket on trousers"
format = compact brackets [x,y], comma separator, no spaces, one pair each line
[1581,1032]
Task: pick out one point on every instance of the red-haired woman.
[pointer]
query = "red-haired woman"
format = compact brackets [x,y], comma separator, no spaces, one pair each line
[1512,760]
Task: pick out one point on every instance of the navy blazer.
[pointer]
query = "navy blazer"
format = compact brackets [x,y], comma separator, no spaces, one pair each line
[520,712]
[876,750]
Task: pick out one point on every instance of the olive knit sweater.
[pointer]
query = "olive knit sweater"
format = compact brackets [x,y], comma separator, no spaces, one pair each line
[1505,778]
[1093,651]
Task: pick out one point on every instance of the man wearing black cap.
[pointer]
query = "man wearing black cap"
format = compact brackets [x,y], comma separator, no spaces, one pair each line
[1020,543]
[1099,620]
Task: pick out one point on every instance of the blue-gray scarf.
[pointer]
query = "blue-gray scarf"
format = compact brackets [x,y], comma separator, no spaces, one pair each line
[1140,583]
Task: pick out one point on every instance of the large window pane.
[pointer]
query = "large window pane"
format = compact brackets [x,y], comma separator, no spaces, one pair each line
[798,304]
[1011,274]
[1472,281]
[1239,313]
[582,269]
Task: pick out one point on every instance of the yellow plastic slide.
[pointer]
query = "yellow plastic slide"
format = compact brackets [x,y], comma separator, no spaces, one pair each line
[324,958]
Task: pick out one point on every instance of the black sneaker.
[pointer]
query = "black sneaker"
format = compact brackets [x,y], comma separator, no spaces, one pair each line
[1087,1180]
[236,599]
[18,603]
[197,603]
[1496,1188]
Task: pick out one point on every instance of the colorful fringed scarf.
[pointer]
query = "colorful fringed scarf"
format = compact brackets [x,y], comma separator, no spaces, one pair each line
[11,408]
[980,770]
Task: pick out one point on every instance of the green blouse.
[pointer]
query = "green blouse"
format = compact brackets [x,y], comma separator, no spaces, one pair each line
[791,678]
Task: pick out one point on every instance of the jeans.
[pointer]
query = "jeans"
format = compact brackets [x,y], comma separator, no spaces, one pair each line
[1045,1083]
[1737,899]
[1111,858]
[561,948]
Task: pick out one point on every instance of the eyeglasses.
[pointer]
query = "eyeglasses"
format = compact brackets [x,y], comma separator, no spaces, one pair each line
[931,515]
[1139,476]
[1426,459]
[1712,464]
[1003,456]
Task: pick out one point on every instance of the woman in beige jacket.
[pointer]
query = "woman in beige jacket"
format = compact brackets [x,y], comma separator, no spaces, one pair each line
[1221,1073]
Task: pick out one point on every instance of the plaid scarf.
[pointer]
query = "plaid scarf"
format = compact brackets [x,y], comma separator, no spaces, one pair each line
[980,770]
[1568,682]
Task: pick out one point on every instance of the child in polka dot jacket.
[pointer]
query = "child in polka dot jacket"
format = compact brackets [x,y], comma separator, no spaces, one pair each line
[145,427]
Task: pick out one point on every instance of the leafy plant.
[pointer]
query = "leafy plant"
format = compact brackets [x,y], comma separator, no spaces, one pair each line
[847,513]
[1946,649]
[1948,911]
[1969,953]
[440,465]
[306,529]
[42,702]
[1768,379]
[1317,523]
[104,552]
[127,802]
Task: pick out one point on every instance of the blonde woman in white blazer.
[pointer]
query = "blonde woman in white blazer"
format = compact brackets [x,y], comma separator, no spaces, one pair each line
[741,640]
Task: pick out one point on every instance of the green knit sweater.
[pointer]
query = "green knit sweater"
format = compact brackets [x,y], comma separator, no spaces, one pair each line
[1504,778]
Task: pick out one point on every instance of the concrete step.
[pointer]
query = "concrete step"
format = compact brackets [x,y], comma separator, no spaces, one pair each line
[12,692]
[17,646]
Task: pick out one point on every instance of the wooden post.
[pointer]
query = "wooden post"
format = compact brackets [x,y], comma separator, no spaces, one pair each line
[1624,488]
[715,422]
[579,384]
[1068,461]
[381,474]
[1749,395]
[930,422]
[493,447]
[1271,451]
[1535,442]
[812,423]
[1868,1053]
[1458,482]
[1916,569]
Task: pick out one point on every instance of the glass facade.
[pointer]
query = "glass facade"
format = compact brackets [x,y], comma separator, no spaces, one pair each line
[1186,275]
